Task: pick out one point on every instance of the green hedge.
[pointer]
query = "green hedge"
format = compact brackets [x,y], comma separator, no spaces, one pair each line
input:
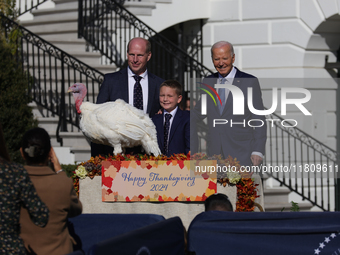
[69,169]
[16,117]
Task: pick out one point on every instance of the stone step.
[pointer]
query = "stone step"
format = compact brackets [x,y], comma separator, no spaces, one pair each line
[81,154]
[57,73]
[65,36]
[74,139]
[69,23]
[275,195]
[105,68]
[163,1]
[76,142]
[101,68]
[51,96]
[64,155]
[64,26]
[50,16]
[140,8]
[77,46]
[49,124]
[61,7]
[277,198]
[64,1]
[75,147]
[92,59]
[89,58]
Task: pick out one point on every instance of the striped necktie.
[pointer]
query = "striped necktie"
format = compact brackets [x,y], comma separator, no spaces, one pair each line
[221,93]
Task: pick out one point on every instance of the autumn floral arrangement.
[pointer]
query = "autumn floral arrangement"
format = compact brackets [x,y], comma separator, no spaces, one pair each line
[93,167]
[246,188]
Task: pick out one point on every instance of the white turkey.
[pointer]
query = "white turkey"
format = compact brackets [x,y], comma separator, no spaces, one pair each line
[117,123]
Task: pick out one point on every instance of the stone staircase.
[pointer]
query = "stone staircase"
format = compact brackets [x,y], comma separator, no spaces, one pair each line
[277,199]
[59,26]
[143,7]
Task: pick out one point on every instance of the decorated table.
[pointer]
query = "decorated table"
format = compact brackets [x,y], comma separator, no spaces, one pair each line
[165,186]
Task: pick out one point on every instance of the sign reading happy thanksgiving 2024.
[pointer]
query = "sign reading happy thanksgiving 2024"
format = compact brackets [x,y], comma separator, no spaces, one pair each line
[160,181]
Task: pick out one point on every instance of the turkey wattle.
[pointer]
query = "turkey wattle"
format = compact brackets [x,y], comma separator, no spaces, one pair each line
[117,123]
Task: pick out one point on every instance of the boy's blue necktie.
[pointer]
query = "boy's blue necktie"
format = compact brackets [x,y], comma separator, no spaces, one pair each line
[166,132]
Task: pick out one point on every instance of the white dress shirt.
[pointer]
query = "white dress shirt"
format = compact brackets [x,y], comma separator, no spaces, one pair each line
[144,82]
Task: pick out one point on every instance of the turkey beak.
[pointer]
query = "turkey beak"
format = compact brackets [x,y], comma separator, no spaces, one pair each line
[69,90]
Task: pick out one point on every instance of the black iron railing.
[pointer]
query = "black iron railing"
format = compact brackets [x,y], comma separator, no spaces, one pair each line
[296,160]
[108,27]
[50,71]
[24,6]
[301,163]
[101,20]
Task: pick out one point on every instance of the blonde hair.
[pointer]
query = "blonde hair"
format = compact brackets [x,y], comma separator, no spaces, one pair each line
[174,85]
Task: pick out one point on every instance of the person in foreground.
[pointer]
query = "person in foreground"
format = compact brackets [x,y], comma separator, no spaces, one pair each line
[173,126]
[135,85]
[55,190]
[218,202]
[243,135]
[16,190]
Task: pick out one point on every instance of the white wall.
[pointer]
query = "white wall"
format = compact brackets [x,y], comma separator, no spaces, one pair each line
[272,39]
[283,39]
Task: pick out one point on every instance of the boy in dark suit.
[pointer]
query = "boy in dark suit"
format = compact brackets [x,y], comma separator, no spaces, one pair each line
[173,125]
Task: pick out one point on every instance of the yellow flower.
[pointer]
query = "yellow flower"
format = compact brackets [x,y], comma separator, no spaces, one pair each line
[81,172]
[234,177]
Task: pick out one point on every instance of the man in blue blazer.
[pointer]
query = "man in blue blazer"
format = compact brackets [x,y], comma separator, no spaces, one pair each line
[176,139]
[242,136]
[115,86]
[120,85]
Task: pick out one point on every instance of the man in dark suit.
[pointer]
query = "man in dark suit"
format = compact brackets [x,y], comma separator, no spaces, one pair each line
[135,85]
[173,136]
[242,135]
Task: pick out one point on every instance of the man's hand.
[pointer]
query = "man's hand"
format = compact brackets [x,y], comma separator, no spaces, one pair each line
[256,160]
